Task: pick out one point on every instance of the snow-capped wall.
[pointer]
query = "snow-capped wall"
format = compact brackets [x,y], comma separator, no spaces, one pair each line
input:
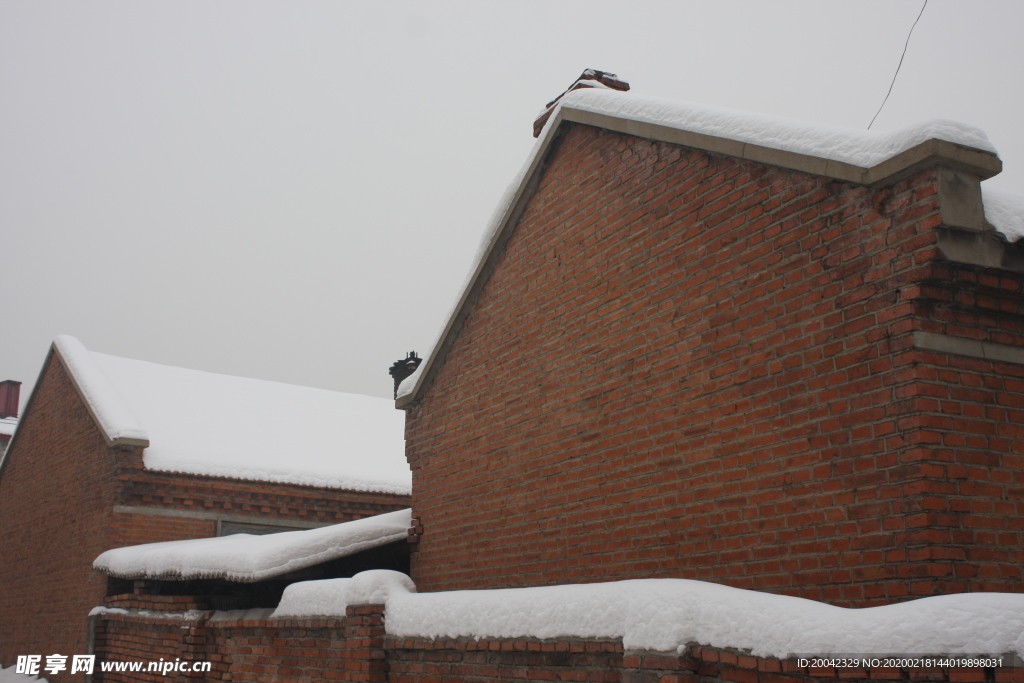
[667,614]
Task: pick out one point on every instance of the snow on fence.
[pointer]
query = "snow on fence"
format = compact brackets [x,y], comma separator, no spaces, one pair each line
[668,614]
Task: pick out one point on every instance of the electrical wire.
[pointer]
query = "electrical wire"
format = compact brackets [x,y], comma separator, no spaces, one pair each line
[899,65]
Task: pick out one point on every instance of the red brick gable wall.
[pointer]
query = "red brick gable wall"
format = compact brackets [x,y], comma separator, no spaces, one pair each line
[56,494]
[696,366]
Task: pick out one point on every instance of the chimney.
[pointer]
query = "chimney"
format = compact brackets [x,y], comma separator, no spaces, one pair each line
[10,392]
[401,369]
[591,78]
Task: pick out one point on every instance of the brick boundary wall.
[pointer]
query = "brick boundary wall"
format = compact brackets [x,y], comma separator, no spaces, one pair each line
[356,648]
[346,648]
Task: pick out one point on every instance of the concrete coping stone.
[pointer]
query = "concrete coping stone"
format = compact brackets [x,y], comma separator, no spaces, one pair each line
[943,343]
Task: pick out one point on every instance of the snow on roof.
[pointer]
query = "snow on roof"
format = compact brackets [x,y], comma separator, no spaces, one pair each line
[8,425]
[860,149]
[107,404]
[1005,211]
[202,423]
[667,614]
[849,145]
[247,558]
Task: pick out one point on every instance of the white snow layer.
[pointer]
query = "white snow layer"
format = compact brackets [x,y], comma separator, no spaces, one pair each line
[9,675]
[406,387]
[1005,211]
[848,145]
[8,425]
[667,614]
[116,419]
[243,557]
[330,597]
[218,425]
[863,148]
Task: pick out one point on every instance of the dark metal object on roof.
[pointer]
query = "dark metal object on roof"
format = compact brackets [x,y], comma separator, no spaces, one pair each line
[401,369]
[590,78]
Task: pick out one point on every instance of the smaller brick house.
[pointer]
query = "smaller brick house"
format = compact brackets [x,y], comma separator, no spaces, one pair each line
[113,452]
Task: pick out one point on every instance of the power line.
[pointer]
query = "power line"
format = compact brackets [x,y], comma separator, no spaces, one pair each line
[899,65]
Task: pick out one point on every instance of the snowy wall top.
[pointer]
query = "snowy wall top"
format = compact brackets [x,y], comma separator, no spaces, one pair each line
[1005,211]
[847,145]
[8,425]
[667,614]
[247,558]
[848,154]
[217,425]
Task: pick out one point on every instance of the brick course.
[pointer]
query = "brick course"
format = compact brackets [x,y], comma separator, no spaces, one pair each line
[690,365]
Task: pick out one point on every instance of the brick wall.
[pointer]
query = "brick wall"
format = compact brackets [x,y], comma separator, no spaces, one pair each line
[696,366]
[240,647]
[193,493]
[140,491]
[969,430]
[135,529]
[416,660]
[56,493]
[65,497]
[355,648]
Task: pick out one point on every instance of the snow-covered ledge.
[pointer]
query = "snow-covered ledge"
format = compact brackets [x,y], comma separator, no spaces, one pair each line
[668,614]
[246,558]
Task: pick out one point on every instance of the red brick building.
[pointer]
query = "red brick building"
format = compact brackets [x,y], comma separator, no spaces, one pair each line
[112,452]
[710,345]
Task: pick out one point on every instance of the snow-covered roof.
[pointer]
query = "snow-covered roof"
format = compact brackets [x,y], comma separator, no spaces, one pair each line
[246,558]
[202,423]
[1005,211]
[667,614]
[7,426]
[848,154]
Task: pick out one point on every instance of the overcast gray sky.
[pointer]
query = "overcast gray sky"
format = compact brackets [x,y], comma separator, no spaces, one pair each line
[294,191]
